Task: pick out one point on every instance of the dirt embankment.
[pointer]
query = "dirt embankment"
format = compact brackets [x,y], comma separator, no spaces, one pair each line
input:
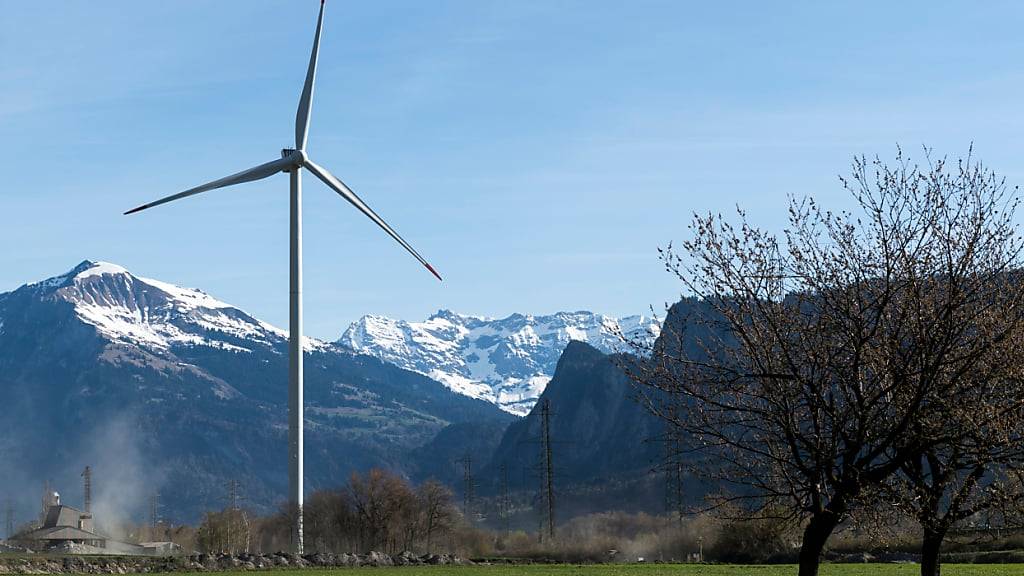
[209,562]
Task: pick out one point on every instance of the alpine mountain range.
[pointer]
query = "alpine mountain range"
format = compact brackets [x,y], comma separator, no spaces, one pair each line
[167,389]
[505,361]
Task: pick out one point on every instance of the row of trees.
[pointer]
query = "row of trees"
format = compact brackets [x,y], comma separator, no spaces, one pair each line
[376,511]
[863,362]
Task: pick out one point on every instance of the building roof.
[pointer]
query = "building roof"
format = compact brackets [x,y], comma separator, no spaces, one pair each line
[60,515]
[61,533]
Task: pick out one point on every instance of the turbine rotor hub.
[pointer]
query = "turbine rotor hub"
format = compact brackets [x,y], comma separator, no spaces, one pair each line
[298,158]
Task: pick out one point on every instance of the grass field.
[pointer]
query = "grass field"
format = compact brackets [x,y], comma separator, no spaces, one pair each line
[670,570]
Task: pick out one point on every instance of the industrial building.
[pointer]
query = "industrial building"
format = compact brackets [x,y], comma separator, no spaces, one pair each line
[62,528]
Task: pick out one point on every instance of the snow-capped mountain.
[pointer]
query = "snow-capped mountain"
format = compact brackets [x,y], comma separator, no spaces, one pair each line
[157,315]
[157,386]
[506,361]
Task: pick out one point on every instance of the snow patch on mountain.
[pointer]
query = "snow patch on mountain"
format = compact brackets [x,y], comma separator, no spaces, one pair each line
[188,298]
[506,361]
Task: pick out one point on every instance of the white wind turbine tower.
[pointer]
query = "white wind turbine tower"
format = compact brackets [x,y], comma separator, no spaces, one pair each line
[293,161]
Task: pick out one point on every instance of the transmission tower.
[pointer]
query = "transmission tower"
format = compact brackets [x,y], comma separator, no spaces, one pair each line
[545,471]
[505,504]
[672,467]
[154,509]
[47,496]
[549,467]
[233,496]
[87,489]
[467,485]
[9,518]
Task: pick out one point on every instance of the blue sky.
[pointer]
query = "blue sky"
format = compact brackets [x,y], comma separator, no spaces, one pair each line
[537,152]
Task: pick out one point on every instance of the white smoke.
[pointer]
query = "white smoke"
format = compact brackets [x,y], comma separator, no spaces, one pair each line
[122,482]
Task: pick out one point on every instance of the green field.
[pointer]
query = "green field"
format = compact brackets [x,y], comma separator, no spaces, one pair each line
[673,570]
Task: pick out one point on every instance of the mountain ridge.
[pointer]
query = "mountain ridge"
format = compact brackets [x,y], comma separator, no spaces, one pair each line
[508,361]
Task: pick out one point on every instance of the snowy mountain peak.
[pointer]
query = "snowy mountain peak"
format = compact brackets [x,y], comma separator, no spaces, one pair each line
[157,315]
[83,270]
[89,269]
[445,314]
[507,361]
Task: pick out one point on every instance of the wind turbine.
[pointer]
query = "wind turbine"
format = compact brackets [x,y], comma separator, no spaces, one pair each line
[293,161]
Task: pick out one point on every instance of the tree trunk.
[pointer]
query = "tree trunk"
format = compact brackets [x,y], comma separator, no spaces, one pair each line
[816,535]
[430,536]
[930,545]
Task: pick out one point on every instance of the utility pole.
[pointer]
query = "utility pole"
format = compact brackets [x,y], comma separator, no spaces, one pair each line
[87,489]
[549,468]
[467,486]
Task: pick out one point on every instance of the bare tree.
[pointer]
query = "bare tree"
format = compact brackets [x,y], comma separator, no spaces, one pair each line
[384,505]
[437,512]
[977,468]
[375,511]
[945,487]
[814,367]
[329,521]
[225,531]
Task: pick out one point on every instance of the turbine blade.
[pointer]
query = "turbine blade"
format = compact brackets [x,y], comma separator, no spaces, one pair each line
[306,100]
[347,193]
[258,173]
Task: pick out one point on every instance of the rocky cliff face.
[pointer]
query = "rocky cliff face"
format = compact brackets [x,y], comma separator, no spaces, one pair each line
[598,429]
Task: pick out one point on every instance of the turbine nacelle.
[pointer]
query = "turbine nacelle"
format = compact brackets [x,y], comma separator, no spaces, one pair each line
[298,158]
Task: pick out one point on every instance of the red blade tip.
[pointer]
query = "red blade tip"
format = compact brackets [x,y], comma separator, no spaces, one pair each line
[434,272]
